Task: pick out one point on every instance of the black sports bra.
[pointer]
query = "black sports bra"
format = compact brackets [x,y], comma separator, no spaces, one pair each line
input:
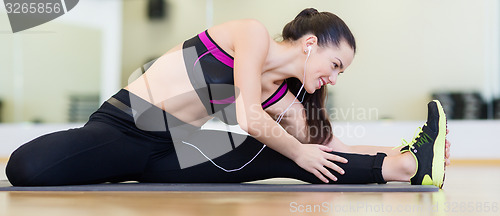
[211,73]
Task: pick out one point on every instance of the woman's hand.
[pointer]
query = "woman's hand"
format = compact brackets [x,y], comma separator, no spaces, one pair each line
[315,158]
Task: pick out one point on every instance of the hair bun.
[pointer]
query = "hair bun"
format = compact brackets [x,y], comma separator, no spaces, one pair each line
[307,12]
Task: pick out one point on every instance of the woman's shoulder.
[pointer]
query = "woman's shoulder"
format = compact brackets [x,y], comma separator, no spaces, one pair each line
[243,25]
[252,25]
[244,28]
[249,32]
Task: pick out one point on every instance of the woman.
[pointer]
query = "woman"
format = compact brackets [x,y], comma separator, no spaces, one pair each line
[150,130]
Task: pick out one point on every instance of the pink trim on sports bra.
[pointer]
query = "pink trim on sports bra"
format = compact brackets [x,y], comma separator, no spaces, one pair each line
[277,96]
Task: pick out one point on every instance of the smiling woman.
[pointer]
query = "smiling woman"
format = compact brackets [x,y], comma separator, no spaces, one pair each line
[334,41]
[150,131]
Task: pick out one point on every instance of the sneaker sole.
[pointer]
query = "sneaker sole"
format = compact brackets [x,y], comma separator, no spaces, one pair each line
[439,148]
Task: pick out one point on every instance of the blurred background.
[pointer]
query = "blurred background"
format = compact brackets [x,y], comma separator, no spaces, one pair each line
[409,52]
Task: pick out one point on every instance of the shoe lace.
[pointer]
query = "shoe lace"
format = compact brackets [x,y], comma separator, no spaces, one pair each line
[416,135]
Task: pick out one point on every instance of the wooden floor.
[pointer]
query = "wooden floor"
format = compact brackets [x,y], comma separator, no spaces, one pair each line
[468,190]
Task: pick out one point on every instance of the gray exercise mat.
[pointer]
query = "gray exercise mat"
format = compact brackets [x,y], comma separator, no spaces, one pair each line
[196,187]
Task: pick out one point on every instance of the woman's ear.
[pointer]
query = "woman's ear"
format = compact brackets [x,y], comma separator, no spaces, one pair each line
[310,41]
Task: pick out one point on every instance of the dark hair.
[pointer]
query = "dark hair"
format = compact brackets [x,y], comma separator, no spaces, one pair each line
[328,27]
[330,30]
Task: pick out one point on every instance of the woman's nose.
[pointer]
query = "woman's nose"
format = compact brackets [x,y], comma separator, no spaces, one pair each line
[333,78]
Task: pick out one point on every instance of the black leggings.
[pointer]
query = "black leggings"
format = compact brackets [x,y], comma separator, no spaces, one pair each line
[111,148]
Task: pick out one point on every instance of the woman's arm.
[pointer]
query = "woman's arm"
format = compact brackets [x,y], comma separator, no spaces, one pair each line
[337,145]
[251,44]
[294,123]
[293,120]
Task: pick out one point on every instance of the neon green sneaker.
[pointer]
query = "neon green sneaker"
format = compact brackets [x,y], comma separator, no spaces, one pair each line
[428,148]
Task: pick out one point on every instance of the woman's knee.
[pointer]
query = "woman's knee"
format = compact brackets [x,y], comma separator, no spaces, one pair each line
[29,161]
[21,169]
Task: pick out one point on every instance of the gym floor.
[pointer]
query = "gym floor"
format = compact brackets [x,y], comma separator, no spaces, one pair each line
[470,189]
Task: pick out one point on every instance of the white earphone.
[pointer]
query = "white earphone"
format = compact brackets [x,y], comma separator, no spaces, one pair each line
[309,48]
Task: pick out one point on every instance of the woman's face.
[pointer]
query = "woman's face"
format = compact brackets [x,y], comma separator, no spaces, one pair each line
[325,64]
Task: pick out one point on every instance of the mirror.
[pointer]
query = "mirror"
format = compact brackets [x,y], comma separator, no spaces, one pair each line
[54,73]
